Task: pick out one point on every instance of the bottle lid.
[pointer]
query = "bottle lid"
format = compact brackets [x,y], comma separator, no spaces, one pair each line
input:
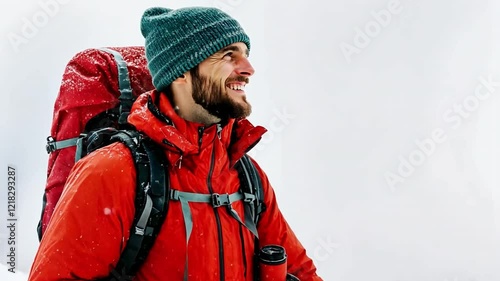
[272,254]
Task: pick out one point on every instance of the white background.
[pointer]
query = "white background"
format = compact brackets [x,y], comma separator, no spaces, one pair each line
[352,120]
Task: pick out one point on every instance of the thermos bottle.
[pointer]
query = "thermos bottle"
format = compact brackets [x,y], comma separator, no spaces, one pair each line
[272,263]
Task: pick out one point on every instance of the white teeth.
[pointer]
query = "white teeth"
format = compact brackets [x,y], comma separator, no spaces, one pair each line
[236,87]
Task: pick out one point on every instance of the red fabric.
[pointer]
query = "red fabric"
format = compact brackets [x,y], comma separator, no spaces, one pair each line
[91,224]
[89,86]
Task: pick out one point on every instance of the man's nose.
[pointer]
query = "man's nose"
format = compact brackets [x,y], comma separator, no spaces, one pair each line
[244,67]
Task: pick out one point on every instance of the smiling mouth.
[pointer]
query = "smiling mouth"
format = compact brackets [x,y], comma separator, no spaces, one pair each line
[236,87]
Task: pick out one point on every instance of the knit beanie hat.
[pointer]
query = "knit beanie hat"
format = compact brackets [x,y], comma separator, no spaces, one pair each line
[178,40]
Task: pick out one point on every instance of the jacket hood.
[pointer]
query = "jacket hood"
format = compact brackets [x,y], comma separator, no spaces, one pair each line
[153,115]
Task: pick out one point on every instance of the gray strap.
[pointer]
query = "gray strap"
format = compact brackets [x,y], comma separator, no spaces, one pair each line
[79,148]
[53,145]
[249,221]
[188,225]
[123,76]
[125,88]
[143,220]
[216,199]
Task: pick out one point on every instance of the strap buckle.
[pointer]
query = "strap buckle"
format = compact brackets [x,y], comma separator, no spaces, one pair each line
[51,144]
[174,194]
[248,198]
[139,231]
[220,200]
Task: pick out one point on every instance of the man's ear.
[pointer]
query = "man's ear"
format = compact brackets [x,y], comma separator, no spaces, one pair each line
[183,79]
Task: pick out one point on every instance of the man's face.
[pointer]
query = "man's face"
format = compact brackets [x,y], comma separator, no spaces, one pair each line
[219,82]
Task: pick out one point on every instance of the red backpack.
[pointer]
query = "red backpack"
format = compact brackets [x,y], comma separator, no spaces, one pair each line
[94,93]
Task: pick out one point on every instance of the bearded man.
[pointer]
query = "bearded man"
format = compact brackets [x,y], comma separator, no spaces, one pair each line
[198,59]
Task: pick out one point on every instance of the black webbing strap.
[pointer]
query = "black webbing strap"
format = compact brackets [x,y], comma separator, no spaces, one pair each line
[126,98]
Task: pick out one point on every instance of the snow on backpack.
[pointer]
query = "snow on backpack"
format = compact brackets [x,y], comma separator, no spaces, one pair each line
[90,111]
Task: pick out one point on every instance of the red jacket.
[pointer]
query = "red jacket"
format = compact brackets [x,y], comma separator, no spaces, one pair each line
[92,220]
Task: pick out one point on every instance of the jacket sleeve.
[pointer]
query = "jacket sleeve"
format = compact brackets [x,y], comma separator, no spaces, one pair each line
[91,221]
[274,229]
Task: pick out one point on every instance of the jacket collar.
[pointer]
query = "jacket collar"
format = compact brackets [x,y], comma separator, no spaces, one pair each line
[163,125]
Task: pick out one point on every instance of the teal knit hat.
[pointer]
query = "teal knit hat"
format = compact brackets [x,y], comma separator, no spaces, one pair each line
[178,40]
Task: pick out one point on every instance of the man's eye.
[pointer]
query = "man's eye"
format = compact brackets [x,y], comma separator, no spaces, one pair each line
[228,55]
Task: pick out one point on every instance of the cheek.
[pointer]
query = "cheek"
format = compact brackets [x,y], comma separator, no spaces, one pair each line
[224,71]
[228,71]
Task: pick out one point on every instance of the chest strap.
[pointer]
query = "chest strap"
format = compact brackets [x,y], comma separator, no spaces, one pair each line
[217,200]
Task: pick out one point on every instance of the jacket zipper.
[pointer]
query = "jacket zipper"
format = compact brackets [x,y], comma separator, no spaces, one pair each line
[217,218]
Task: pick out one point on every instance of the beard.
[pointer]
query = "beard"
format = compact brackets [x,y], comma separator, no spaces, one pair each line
[214,97]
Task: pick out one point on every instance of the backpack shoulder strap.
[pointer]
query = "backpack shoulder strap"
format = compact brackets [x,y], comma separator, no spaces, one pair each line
[251,186]
[151,205]
[126,98]
[251,183]
[151,201]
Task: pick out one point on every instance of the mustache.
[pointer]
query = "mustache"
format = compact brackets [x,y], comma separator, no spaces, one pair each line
[238,79]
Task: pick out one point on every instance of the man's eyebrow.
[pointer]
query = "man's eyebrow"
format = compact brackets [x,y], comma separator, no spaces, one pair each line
[234,49]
